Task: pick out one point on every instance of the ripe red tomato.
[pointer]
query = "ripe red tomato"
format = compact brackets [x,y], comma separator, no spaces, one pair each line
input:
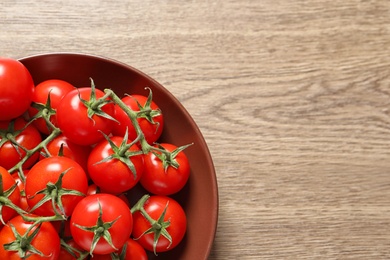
[78,153]
[46,240]
[14,196]
[45,176]
[112,173]
[57,89]
[74,122]
[25,135]
[165,175]
[104,214]
[150,119]
[174,216]
[16,88]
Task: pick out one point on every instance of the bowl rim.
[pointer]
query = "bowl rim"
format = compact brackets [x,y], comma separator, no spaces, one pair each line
[215,191]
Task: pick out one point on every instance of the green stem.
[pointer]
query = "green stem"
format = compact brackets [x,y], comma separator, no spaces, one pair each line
[5,201]
[133,118]
[43,144]
[41,219]
[96,104]
[46,116]
[145,146]
[139,206]
[140,203]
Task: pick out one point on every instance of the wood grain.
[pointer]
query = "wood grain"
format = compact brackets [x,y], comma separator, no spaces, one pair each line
[292,98]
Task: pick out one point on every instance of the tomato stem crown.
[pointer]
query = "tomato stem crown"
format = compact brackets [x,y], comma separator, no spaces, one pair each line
[168,158]
[122,153]
[22,243]
[158,227]
[146,111]
[100,230]
[45,111]
[54,192]
[94,106]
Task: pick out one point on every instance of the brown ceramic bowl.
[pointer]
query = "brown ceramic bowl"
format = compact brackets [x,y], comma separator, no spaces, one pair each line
[200,196]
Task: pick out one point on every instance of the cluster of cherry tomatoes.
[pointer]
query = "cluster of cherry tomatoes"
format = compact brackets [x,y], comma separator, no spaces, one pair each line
[68,156]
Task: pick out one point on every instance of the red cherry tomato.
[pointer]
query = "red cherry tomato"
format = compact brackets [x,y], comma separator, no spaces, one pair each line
[16,89]
[115,175]
[48,171]
[174,215]
[57,89]
[46,240]
[160,176]
[151,120]
[98,210]
[74,121]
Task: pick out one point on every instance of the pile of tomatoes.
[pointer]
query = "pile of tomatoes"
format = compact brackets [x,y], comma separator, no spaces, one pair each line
[69,156]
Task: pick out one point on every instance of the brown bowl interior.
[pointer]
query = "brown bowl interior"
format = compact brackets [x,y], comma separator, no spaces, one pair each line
[200,196]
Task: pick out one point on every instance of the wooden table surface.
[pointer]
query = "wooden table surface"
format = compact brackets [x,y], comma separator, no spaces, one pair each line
[293,99]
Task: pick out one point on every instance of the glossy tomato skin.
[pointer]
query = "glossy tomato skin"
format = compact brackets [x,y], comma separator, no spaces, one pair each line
[8,181]
[57,89]
[154,206]
[151,131]
[114,176]
[78,153]
[28,138]
[73,120]
[86,214]
[16,88]
[47,171]
[160,182]
[47,240]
